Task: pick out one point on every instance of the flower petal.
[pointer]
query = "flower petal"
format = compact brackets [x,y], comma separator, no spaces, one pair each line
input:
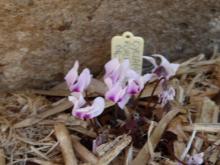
[122,70]
[81,112]
[136,82]
[147,77]
[131,74]
[173,69]
[164,61]
[108,82]
[98,107]
[83,81]
[77,99]
[115,93]
[133,87]
[170,68]
[111,66]
[116,71]
[72,75]
[90,111]
[124,101]
[151,60]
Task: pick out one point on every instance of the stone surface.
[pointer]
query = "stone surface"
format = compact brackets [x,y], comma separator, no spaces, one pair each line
[40,39]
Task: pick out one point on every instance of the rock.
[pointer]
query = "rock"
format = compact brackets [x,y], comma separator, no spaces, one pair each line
[40,39]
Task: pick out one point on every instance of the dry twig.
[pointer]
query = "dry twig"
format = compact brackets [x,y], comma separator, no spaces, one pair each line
[35,119]
[2,157]
[64,139]
[83,152]
[123,142]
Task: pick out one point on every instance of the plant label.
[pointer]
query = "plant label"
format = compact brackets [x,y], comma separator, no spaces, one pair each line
[129,47]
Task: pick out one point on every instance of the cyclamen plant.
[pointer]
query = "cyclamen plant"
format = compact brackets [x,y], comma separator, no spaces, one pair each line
[122,83]
[77,85]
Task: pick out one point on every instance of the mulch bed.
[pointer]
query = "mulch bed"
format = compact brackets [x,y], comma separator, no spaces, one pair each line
[37,126]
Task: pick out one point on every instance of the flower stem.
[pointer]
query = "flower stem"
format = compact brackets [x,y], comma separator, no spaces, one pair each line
[138,97]
[116,111]
[93,124]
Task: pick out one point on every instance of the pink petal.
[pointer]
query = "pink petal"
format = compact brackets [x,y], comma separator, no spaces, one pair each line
[125,65]
[121,72]
[116,71]
[90,111]
[131,74]
[108,82]
[133,87]
[115,93]
[83,81]
[164,61]
[98,107]
[136,84]
[173,69]
[111,66]
[151,60]
[77,99]
[81,112]
[72,75]
[147,77]
[124,101]
[170,68]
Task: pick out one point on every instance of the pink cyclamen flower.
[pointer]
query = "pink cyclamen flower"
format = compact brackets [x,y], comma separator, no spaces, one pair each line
[115,70]
[196,159]
[122,82]
[82,111]
[78,83]
[115,79]
[165,69]
[115,93]
[167,95]
[136,82]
